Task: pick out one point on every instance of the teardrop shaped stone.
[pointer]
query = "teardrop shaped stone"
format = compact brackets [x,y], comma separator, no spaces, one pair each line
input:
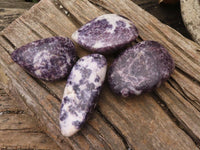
[47,59]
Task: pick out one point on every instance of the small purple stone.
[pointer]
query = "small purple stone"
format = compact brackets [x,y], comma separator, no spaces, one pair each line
[140,68]
[106,34]
[47,59]
[81,91]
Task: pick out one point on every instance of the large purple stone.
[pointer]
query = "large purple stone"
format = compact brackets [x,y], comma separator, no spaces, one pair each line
[106,34]
[140,68]
[48,59]
[82,89]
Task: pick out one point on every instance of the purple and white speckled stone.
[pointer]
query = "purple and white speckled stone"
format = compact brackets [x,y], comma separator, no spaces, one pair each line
[140,69]
[48,59]
[106,34]
[82,89]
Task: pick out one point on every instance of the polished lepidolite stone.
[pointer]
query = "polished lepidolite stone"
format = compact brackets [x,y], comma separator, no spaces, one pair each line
[140,68]
[106,34]
[48,59]
[82,89]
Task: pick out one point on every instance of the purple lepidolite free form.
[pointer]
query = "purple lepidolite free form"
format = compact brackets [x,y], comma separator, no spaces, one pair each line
[80,94]
[48,59]
[106,34]
[140,68]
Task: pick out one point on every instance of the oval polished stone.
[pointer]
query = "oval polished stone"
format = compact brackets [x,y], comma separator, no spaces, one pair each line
[82,89]
[48,59]
[140,69]
[106,34]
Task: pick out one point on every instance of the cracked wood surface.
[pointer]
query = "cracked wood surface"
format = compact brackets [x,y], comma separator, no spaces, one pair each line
[167,118]
[18,128]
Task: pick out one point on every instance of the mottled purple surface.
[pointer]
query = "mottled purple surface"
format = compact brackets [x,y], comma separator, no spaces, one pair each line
[82,89]
[140,68]
[48,59]
[106,34]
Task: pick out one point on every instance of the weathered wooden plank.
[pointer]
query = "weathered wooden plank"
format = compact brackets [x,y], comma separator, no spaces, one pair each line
[16,4]
[16,124]
[183,101]
[75,12]
[7,105]
[10,10]
[84,142]
[143,122]
[43,118]
[24,40]
[181,79]
[16,140]
[188,51]
[130,119]
[16,128]
[188,88]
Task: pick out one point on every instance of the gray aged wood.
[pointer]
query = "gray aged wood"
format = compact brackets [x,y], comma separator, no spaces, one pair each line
[10,10]
[167,118]
[18,128]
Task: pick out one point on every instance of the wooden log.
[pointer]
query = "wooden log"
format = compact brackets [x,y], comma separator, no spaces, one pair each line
[137,123]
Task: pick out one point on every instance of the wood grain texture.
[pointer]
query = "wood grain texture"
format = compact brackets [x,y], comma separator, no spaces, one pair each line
[136,123]
[16,124]
[10,10]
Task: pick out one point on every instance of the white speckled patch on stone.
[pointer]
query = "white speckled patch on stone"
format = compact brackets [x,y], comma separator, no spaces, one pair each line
[75,36]
[113,19]
[82,88]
